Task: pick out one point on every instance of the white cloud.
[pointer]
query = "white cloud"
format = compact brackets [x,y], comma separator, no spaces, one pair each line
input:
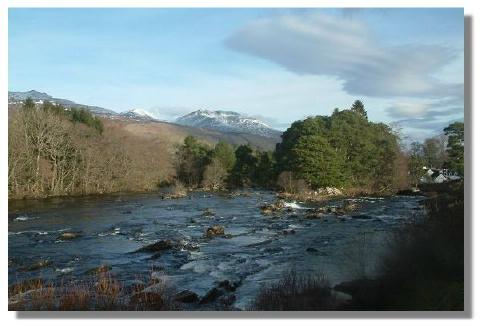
[408,109]
[346,48]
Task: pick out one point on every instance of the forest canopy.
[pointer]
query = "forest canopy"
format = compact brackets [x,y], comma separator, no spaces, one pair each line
[344,149]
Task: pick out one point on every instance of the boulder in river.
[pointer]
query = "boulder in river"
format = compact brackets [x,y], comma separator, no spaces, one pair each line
[39,265]
[288,231]
[349,205]
[215,230]
[270,208]
[68,236]
[228,285]
[207,212]
[189,246]
[315,213]
[186,296]
[211,296]
[227,300]
[157,246]
[311,250]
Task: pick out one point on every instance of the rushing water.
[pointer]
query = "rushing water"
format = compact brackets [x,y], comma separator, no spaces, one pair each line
[259,251]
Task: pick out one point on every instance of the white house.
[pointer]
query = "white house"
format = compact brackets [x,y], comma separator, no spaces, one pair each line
[434,175]
[440,178]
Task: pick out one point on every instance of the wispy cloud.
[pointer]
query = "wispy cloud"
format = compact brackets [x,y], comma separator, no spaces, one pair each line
[169,113]
[346,48]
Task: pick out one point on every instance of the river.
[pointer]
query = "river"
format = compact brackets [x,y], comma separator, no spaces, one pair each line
[259,250]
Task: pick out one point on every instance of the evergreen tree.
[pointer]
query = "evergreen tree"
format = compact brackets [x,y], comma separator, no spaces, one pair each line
[359,108]
[192,158]
[243,172]
[265,173]
[455,147]
[317,162]
[225,154]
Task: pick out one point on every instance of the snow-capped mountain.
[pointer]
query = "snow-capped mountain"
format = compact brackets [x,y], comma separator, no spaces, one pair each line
[138,115]
[227,121]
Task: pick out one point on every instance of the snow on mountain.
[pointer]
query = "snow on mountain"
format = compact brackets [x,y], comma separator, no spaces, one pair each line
[138,115]
[227,121]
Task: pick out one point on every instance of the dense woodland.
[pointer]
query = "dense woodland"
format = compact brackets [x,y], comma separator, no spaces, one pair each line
[57,151]
[343,150]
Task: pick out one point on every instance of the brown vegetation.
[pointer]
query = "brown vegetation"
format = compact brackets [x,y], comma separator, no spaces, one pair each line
[49,155]
[294,292]
[102,293]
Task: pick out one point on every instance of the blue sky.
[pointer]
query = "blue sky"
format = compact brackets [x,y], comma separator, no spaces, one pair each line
[279,64]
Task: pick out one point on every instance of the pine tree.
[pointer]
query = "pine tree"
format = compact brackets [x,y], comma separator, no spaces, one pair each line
[359,108]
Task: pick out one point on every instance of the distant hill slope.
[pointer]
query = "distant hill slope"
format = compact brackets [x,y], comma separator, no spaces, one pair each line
[174,134]
[142,124]
[227,121]
[40,97]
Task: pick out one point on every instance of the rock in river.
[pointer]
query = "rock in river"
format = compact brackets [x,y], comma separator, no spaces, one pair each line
[186,296]
[288,231]
[228,285]
[208,212]
[215,230]
[268,209]
[227,300]
[68,236]
[157,246]
[211,296]
[39,265]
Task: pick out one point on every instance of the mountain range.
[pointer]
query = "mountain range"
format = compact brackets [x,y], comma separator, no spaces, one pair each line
[227,121]
[212,126]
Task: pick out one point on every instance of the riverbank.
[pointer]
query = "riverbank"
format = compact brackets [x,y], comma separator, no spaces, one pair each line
[331,193]
[422,270]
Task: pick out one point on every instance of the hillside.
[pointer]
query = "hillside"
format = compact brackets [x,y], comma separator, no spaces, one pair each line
[15,98]
[235,129]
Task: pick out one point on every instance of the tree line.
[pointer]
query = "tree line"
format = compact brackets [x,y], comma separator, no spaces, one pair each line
[342,150]
[55,150]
